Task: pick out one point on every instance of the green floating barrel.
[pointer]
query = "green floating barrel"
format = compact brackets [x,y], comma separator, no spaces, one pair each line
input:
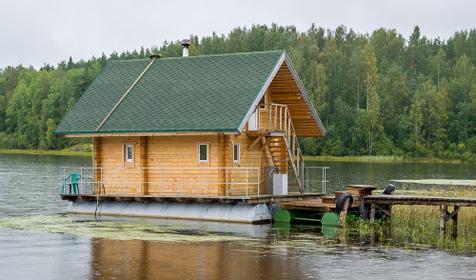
[330,219]
[283,216]
[330,224]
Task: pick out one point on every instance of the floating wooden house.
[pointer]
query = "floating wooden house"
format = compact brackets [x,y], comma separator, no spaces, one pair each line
[220,127]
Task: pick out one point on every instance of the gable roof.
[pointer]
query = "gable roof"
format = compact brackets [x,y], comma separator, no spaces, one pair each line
[213,93]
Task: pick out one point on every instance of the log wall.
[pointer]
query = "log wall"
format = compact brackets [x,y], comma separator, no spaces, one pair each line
[170,165]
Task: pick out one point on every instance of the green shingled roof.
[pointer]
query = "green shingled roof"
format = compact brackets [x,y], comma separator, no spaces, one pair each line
[198,93]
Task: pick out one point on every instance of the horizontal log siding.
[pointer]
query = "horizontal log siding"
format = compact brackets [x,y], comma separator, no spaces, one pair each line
[177,152]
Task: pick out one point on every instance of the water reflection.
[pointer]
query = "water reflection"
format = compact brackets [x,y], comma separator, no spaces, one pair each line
[38,243]
[136,259]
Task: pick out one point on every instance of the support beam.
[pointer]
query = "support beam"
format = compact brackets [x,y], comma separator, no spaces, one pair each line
[97,188]
[454,217]
[144,188]
[443,217]
[255,142]
[372,213]
[343,213]
[267,151]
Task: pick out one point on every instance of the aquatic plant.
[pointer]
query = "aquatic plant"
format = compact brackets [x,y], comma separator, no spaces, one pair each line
[418,226]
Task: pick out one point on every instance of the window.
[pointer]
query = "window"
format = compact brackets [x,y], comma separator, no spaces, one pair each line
[128,153]
[236,153]
[203,153]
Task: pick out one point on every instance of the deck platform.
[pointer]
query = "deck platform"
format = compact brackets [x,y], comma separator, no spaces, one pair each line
[373,206]
[327,203]
[419,200]
[251,199]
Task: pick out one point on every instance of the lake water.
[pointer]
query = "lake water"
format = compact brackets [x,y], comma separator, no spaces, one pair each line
[37,241]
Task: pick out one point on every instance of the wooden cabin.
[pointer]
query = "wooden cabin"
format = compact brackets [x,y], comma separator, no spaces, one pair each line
[214,125]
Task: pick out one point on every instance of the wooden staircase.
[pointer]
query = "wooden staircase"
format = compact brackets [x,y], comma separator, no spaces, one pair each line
[278,151]
[281,144]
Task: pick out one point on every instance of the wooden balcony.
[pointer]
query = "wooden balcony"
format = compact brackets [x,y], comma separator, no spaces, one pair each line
[270,120]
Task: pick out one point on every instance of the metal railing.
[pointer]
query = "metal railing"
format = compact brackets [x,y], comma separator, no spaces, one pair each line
[85,181]
[174,181]
[315,176]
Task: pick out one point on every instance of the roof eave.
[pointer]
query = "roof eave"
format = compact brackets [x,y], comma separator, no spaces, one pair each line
[306,97]
[87,134]
[282,59]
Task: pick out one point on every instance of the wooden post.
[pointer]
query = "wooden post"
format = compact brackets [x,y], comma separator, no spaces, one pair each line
[343,213]
[372,213]
[443,215]
[144,188]
[454,217]
[96,188]
[372,223]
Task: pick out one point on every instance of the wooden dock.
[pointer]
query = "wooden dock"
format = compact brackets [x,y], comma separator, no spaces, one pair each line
[328,202]
[371,205]
[384,203]
[420,200]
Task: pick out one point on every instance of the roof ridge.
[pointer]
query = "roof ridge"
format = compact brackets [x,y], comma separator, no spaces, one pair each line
[126,93]
[225,54]
[203,55]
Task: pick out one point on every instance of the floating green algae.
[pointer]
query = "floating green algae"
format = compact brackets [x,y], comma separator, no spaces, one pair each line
[130,229]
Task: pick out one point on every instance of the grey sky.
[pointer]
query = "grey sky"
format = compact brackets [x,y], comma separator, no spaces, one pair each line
[33,32]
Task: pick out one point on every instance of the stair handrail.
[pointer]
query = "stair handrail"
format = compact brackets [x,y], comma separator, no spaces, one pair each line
[295,152]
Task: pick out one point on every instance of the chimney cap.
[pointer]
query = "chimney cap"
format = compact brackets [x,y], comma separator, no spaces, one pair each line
[186,42]
[155,55]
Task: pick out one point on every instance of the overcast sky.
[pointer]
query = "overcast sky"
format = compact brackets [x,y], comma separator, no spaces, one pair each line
[34,32]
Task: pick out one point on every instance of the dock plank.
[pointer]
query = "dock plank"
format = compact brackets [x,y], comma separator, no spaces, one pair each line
[419,200]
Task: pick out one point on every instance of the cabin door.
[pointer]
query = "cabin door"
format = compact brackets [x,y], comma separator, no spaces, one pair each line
[253,121]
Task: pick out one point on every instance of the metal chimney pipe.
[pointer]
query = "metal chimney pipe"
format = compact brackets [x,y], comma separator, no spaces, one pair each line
[185,46]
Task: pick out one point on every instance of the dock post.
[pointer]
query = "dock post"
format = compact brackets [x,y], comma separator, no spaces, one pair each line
[372,223]
[443,215]
[454,217]
[343,213]
[372,213]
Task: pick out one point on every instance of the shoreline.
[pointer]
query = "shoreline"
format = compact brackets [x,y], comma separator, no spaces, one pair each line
[45,152]
[363,159]
[381,159]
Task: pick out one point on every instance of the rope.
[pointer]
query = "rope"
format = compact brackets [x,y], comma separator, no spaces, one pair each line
[97,214]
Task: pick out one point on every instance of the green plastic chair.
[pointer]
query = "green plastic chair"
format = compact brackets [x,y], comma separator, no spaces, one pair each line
[73,183]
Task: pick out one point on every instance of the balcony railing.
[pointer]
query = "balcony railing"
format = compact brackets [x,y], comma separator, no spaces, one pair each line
[271,118]
[162,181]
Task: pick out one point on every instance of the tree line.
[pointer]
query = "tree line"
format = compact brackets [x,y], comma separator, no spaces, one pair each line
[377,94]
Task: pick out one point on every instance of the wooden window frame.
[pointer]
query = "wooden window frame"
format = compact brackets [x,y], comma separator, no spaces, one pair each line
[207,152]
[128,161]
[238,156]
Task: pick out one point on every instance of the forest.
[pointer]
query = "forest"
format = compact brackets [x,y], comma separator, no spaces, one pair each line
[377,93]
